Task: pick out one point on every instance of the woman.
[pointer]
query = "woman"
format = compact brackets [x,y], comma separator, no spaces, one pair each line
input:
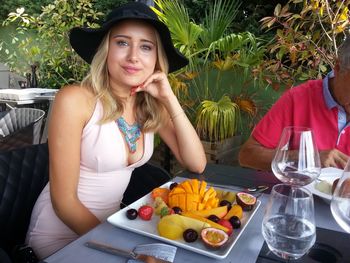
[102,129]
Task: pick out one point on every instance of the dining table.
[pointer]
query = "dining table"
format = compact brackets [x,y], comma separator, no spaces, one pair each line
[250,246]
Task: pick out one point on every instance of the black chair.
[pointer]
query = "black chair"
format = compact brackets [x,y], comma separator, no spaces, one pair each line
[23,174]
[142,181]
[20,127]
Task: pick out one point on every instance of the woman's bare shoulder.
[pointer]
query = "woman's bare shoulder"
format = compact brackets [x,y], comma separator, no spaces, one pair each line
[75,99]
[75,92]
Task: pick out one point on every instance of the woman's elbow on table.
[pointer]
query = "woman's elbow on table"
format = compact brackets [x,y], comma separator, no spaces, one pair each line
[197,166]
[198,169]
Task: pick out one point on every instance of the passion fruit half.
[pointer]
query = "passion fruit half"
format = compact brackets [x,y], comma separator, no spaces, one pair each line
[214,238]
[334,185]
[246,201]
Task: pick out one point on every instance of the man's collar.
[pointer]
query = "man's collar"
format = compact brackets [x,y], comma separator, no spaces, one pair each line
[330,102]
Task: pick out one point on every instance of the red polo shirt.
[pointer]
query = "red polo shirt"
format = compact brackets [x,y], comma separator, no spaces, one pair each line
[304,106]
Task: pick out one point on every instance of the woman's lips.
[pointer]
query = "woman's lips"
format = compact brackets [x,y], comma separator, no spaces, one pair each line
[131,70]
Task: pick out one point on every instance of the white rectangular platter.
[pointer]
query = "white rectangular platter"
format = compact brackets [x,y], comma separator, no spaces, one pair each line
[149,228]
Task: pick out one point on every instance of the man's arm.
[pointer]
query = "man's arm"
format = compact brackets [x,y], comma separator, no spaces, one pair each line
[256,156]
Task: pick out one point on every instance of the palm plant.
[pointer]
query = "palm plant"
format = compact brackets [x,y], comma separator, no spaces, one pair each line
[213,51]
[184,32]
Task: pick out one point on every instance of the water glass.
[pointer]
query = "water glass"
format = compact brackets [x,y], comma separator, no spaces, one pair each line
[340,204]
[296,160]
[289,225]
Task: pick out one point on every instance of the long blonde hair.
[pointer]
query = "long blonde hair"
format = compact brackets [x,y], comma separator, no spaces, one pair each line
[150,113]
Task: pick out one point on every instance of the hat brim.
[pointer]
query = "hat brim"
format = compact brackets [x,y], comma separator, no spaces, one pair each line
[85,41]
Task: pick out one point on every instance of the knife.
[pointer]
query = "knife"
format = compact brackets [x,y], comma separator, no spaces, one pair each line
[252,189]
[121,252]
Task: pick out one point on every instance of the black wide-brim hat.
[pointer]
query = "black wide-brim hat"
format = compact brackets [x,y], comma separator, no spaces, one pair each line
[85,41]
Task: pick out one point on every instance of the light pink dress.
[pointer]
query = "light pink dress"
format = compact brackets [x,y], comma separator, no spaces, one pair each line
[104,176]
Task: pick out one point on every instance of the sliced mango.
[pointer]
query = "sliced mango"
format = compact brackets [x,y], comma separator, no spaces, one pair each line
[219,211]
[202,188]
[236,210]
[195,186]
[186,186]
[192,195]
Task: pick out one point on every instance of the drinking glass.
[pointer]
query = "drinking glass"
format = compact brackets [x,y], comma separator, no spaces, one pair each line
[297,161]
[288,225]
[340,204]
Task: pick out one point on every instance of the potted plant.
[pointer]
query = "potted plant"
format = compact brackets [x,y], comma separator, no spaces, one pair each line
[217,125]
[205,87]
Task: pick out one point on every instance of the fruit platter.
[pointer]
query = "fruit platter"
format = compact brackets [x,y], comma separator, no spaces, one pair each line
[191,215]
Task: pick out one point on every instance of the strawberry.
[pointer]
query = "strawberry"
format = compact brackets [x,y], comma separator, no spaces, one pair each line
[227,224]
[145,212]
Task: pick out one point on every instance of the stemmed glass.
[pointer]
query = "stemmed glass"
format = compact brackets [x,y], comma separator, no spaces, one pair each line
[289,225]
[297,161]
[340,204]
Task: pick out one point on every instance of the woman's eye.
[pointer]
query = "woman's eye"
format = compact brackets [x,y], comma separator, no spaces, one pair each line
[146,47]
[122,43]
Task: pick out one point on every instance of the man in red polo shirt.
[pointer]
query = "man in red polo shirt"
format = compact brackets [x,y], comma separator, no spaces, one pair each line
[323,105]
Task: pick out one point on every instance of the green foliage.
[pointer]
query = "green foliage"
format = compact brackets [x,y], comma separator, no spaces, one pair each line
[217,21]
[32,7]
[307,37]
[105,6]
[213,51]
[222,63]
[49,46]
[184,31]
[250,14]
[196,9]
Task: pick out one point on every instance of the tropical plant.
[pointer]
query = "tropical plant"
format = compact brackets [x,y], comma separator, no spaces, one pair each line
[213,51]
[217,121]
[48,45]
[307,37]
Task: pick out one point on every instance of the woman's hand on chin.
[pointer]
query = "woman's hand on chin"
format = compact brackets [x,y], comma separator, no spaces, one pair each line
[157,85]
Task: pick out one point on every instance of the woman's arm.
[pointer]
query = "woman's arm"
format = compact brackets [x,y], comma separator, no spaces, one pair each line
[72,108]
[178,133]
[182,138]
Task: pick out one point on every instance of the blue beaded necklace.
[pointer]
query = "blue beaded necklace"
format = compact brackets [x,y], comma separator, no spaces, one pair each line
[131,133]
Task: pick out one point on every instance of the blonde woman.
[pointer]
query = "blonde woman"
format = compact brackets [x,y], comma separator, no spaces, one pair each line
[102,129]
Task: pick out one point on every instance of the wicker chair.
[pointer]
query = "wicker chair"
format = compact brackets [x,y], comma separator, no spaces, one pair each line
[20,127]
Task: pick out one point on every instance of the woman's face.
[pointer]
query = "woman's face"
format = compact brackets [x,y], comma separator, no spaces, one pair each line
[132,54]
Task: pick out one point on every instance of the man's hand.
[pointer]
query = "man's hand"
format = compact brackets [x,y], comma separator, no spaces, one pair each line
[333,158]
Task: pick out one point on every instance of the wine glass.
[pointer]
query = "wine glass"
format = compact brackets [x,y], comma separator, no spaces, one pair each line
[297,161]
[288,225]
[340,204]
